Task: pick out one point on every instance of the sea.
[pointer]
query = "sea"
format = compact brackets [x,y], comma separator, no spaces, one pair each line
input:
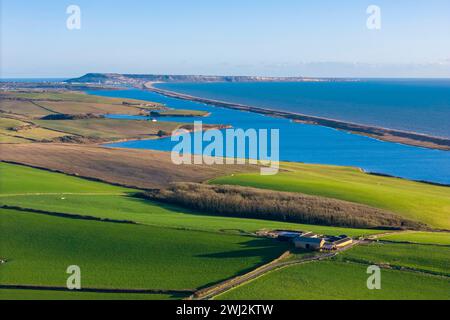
[417,105]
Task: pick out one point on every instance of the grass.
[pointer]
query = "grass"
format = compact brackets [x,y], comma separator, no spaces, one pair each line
[28,131]
[425,258]
[39,249]
[69,96]
[122,207]
[442,238]
[22,108]
[422,202]
[25,180]
[110,129]
[19,185]
[9,139]
[16,294]
[341,281]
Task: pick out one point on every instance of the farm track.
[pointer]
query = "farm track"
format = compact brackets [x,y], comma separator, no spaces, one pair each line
[211,292]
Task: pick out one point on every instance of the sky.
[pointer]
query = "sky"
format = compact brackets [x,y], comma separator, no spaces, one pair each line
[321,38]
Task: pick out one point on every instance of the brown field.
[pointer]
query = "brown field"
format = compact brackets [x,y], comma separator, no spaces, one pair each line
[246,202]
[109,129]
[26,108]
[73,107]
[143,169]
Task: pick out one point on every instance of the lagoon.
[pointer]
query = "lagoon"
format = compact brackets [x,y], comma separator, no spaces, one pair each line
[305,143]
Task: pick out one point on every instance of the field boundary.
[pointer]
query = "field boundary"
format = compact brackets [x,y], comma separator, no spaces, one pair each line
[96,290]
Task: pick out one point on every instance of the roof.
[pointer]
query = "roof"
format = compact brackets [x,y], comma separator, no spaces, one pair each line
[309,240]
[343,240]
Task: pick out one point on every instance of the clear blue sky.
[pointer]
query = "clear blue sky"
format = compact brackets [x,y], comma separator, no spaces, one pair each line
[241,37]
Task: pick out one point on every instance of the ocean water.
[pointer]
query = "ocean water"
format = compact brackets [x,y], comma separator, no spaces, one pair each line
[306,143]
[413,105]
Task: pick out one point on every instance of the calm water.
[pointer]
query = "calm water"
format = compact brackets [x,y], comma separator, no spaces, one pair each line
[412,105]
[308,143]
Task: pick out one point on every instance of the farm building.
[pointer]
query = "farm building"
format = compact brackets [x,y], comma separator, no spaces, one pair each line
[309,242]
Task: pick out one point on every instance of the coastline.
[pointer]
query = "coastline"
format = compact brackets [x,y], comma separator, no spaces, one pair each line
[380,133]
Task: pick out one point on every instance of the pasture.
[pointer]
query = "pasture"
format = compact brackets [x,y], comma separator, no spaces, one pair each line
[422,202]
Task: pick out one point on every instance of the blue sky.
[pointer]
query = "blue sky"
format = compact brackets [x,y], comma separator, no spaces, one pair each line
[239,37]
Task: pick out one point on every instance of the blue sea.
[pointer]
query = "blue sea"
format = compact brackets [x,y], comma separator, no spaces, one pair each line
[306,143]
[413,105]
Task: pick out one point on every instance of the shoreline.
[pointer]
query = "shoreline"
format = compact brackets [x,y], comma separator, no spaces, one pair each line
[380,133]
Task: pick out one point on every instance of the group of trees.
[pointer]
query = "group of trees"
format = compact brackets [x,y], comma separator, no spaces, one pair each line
[248,202]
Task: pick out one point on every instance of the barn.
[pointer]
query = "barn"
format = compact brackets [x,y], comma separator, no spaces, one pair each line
[310,243]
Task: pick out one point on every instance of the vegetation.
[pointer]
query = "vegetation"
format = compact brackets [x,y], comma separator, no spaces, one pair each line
[422,202]
[83,114]
[13,128]
[109,129]
[15,294]
[424,258]
[271,205]
[442,238]
[341,281]
[21,188]
[122,256]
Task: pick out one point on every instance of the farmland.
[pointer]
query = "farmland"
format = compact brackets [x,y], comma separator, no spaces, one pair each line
[425,258]
[74,116]
[161,248]
[340,281]
[442,238]
[422,202]
[88,198]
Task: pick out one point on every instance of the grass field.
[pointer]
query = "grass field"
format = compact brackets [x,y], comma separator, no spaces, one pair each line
[442,238]
[112,255]
[17,294]
[109,129]
[26,108]
[25,180]
[69,96]
[176,249]
[339,280]
[38,189]
[425,258]
[417,201]
[28,132]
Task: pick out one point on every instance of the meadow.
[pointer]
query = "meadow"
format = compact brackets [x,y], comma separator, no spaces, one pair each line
[422,202]
[39,249]
[54,192]
[441,238]
[339,281]
[420,257]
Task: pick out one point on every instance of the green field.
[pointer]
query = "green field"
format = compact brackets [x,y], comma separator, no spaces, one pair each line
[341,281]
[39,249]
[61,193]
[25,180]
[442,238]
[425,258]
[176,249]
[15,294]
[422,202]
